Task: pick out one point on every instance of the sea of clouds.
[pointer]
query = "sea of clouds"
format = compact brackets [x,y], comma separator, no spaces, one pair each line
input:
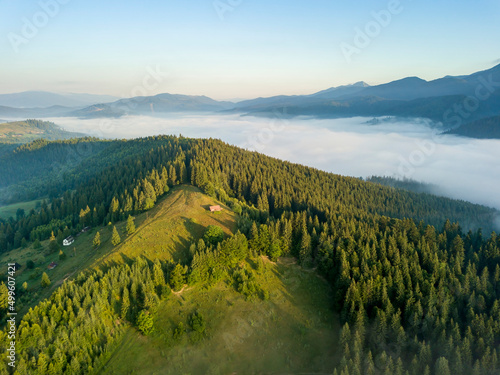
[463,168]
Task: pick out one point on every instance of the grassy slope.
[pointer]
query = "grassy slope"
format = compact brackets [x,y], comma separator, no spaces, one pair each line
[167,230]
[161,232]
[18,127]
[293,332]
[22,132]
[11,209]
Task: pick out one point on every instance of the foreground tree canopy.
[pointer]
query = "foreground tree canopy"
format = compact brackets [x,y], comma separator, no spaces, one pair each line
[416,294]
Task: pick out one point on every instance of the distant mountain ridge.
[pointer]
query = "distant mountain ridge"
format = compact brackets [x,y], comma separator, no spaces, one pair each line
[413,87]
[161,103]
[451,100]
[402,91]
[284,100]
[148,105]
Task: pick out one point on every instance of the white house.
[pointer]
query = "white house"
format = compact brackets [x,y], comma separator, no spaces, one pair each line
[68,241]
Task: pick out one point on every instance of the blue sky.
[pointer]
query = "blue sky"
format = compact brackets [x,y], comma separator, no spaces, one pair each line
[249,48]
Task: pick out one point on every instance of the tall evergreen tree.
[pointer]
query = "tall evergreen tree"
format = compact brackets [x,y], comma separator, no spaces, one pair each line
[442,367]
[115,237]
[177,278]
[53,247]
[45,280]
[97,240]
[125,303]
[4,297]
[305,247]
[130,225]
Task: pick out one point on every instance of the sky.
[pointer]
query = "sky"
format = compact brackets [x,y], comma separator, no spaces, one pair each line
[231,49]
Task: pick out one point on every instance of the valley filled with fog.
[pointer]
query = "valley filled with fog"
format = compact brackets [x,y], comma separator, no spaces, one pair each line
[462,168]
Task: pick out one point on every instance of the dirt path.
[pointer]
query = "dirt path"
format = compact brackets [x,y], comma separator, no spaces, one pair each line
[185,287]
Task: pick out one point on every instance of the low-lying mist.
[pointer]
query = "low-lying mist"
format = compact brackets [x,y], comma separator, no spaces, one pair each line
[463,168]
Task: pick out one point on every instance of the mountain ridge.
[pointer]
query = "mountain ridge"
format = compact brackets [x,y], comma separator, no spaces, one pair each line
[440,100]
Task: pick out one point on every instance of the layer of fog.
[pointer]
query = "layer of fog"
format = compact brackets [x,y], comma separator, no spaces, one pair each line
[463,168]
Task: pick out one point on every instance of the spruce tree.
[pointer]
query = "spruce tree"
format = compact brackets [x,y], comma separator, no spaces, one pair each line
[97,240]
[115,237]
[305,247]
[125,303]
[442,367]
[130,225]
[158,276]
[177,278]
[145,322]
[53,247]
[45,280]
[4,296]
[42,363]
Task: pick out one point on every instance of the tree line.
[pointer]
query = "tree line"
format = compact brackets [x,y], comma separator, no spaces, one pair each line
[117,178]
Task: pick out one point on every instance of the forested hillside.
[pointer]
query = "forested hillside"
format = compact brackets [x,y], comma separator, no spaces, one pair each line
[111,179]
[405,184]
[416,294]
[486,128]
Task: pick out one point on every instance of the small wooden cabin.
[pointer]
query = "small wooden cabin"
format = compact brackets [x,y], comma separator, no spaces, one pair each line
[215,208]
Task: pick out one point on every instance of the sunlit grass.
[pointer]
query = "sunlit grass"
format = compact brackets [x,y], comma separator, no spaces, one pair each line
[10,210]
[294,331]
[162,232]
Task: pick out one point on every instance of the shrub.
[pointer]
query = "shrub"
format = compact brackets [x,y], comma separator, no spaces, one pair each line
[62,255]
[179,331]
[213,235]
[145,322]
[247,285]
[237,208]
[36,273]
[197,322]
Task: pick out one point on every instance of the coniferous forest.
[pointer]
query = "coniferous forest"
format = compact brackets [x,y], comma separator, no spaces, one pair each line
[415,277]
